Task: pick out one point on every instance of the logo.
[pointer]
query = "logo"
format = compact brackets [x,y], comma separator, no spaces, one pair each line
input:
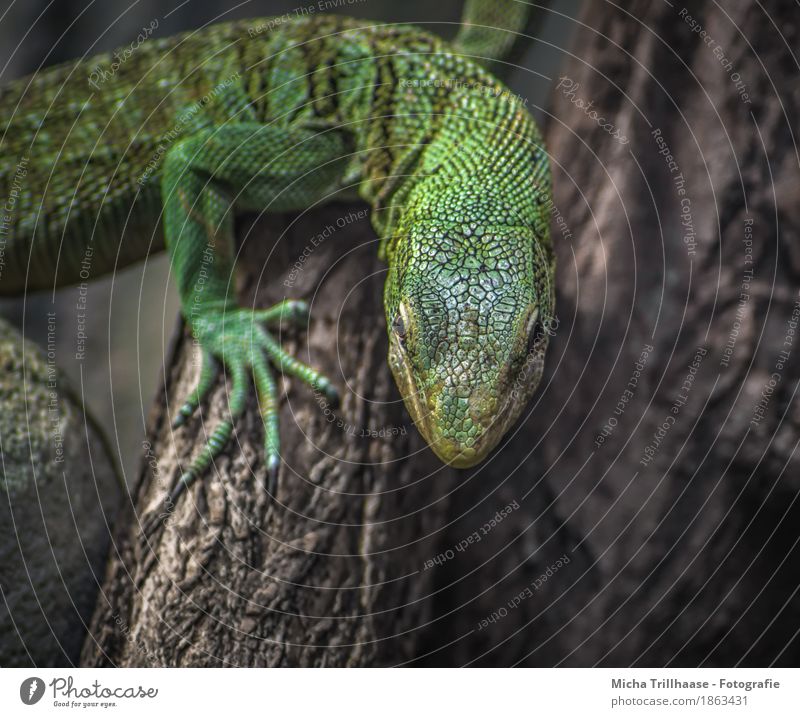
[31,690]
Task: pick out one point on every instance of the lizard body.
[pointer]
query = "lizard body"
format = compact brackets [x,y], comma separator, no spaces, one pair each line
[280,115]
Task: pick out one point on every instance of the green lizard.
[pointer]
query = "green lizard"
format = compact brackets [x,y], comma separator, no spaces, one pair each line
[281,114]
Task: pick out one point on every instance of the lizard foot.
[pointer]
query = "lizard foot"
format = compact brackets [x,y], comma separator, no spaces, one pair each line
[237,340]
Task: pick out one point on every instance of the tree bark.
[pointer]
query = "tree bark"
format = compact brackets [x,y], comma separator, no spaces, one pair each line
[653,527]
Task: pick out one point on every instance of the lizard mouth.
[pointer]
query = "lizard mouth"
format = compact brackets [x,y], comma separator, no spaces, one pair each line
[449,449]
[455,453]
[460,453]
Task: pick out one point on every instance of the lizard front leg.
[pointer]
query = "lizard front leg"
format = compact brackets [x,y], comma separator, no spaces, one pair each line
[205,177]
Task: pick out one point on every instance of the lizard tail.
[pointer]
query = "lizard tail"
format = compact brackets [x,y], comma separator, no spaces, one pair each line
[495,33]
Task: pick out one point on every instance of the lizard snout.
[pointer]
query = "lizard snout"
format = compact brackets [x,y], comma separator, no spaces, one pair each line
[462,425]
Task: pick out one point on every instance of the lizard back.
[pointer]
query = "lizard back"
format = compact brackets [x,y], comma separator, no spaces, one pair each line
[82,143]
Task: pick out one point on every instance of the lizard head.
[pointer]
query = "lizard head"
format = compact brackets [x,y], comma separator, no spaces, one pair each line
[468,310]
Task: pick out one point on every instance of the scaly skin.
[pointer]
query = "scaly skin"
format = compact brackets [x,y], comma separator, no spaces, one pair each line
[490,29]
[277,115]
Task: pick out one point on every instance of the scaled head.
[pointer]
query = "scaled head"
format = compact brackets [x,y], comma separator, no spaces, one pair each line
[468,310]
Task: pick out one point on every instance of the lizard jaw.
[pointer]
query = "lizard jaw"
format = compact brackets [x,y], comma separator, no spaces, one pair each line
[449,450]
[455,454]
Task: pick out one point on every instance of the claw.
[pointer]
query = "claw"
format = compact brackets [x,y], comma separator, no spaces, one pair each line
[244,345]
[297,311]
[184,482]
[208,375]
[156,518]
[268,405]
[220,435]
[184,414]
[273,467]
[290,366]
[150,523]
[294,311]
[327,389]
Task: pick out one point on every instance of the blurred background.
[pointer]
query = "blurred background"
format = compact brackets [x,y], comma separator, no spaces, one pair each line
[131,315]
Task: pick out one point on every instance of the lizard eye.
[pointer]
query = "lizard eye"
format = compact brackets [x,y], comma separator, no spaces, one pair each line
[399,326]
[536,331]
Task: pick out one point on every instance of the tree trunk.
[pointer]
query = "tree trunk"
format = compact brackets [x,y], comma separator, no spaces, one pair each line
[643,513]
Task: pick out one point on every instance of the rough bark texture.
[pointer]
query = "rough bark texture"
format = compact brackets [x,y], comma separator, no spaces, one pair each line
[687,558]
